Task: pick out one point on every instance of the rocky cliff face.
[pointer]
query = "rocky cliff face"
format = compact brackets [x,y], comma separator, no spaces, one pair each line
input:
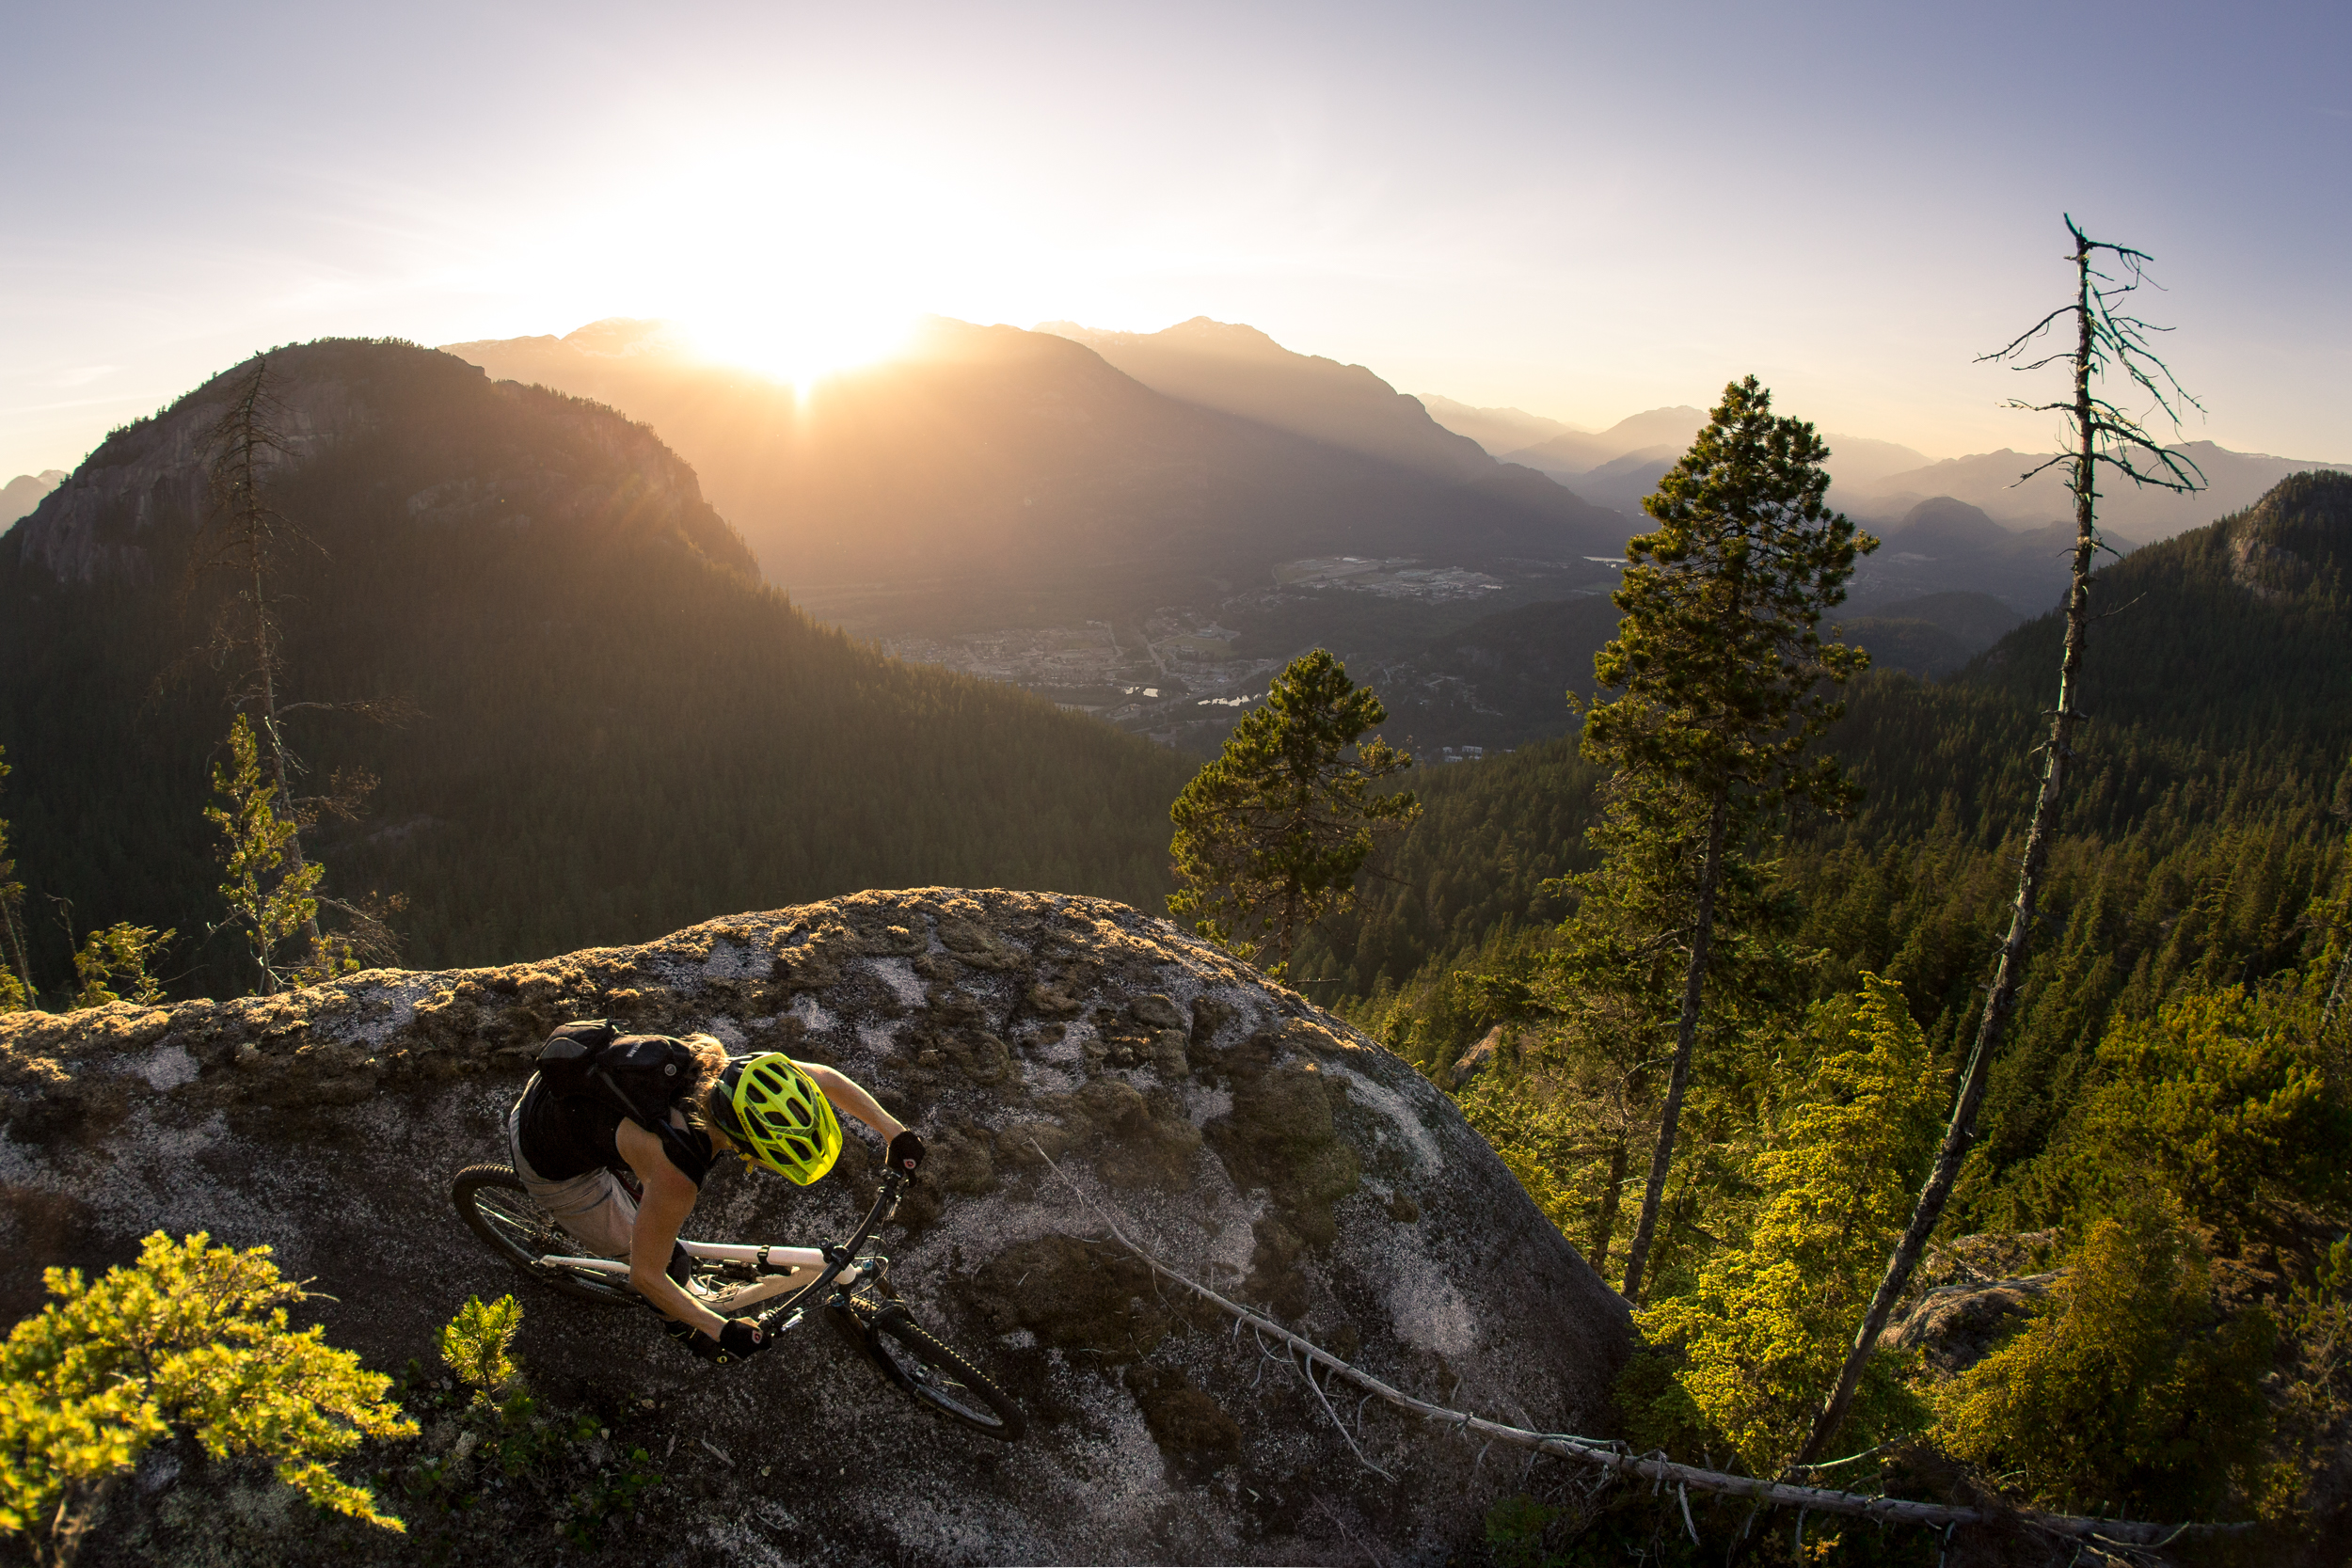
[1250,1140]
[101,521]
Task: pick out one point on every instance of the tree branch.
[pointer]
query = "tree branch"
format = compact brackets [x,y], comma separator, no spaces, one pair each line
[1654,1468]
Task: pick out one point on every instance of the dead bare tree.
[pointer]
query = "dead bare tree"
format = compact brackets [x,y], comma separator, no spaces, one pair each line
[246,535]
[2111,345]
[246,531]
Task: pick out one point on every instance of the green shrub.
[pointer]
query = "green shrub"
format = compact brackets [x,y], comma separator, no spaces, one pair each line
[2127,1391]
[2222,1102]
[476,1345]
[2315,1393]
[195,1338]
[1763,1334]
[112,966]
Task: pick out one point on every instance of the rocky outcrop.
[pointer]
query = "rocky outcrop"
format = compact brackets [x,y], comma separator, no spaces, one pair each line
[1477,1059]
[1970,1293]
[1955,1326]
[2291,541]
[1250,1140]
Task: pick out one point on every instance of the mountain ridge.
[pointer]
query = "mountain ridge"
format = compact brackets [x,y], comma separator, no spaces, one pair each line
[1991,481]
[1501,431]
[996,474]
[2264,585]
[1238,370]
[621,726]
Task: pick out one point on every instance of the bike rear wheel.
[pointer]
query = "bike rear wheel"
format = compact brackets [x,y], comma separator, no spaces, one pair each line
[939,1378]
[496,1208]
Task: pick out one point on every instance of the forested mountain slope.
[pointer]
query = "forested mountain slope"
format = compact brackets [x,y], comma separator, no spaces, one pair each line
[2209,803]
[621,730]
[1502,680]
[994,477]
[2136,1296]
[2234,635]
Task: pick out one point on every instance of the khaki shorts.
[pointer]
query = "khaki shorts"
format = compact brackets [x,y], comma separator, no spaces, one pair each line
[594,1208]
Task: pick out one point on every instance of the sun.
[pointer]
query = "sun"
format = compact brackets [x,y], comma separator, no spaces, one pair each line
[797,251]
[801,345]
[799,265]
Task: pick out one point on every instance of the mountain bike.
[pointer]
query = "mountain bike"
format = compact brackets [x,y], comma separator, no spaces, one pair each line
[730,1278]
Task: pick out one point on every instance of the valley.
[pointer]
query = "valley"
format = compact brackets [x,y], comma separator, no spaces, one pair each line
[1144,527]
[1181,674]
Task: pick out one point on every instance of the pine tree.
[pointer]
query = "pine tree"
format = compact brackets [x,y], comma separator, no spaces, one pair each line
[247,534]
[1764,1331]
[1271,836]
[271,893]
[1722,675]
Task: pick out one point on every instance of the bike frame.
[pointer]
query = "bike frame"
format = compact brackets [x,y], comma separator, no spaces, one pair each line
[774,1266]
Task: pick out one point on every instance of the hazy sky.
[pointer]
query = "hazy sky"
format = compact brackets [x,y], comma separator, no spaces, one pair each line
[1583,211]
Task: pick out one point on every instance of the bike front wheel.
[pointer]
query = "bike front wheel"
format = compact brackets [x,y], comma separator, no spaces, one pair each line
[496,1208]
[940,1379]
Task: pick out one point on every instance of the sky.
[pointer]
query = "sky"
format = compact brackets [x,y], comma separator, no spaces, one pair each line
[1583,211]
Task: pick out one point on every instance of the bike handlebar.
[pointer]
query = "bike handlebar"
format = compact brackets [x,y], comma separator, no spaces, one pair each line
[840,1256]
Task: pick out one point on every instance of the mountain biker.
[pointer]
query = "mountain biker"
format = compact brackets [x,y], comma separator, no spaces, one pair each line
[572,1151]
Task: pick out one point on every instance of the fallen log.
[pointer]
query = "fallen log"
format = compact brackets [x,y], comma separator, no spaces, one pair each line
[1655,1469]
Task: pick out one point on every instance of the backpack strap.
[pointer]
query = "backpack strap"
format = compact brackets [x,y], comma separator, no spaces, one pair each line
[691,1164]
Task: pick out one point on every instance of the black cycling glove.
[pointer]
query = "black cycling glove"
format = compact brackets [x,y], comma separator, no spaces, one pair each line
[906,1152]
[739,1340]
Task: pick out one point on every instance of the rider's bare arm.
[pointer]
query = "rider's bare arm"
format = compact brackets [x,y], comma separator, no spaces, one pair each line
[668,1197]
[851,1098]
[660,1214]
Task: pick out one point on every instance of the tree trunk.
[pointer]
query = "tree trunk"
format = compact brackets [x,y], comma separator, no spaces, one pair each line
[1605,1227]
[1686,1036]
[2009,970]
[265,650]
[17,956]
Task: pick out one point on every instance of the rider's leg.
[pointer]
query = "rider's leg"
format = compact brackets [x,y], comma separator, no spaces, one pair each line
[594,1208]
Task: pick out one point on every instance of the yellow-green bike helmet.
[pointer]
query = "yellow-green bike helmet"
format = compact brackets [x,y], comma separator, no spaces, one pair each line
[777,1114]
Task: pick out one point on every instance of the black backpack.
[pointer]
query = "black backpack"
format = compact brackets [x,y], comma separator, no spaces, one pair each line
[639,1076]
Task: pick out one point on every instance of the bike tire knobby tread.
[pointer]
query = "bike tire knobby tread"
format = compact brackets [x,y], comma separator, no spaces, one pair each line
[1009,1421]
